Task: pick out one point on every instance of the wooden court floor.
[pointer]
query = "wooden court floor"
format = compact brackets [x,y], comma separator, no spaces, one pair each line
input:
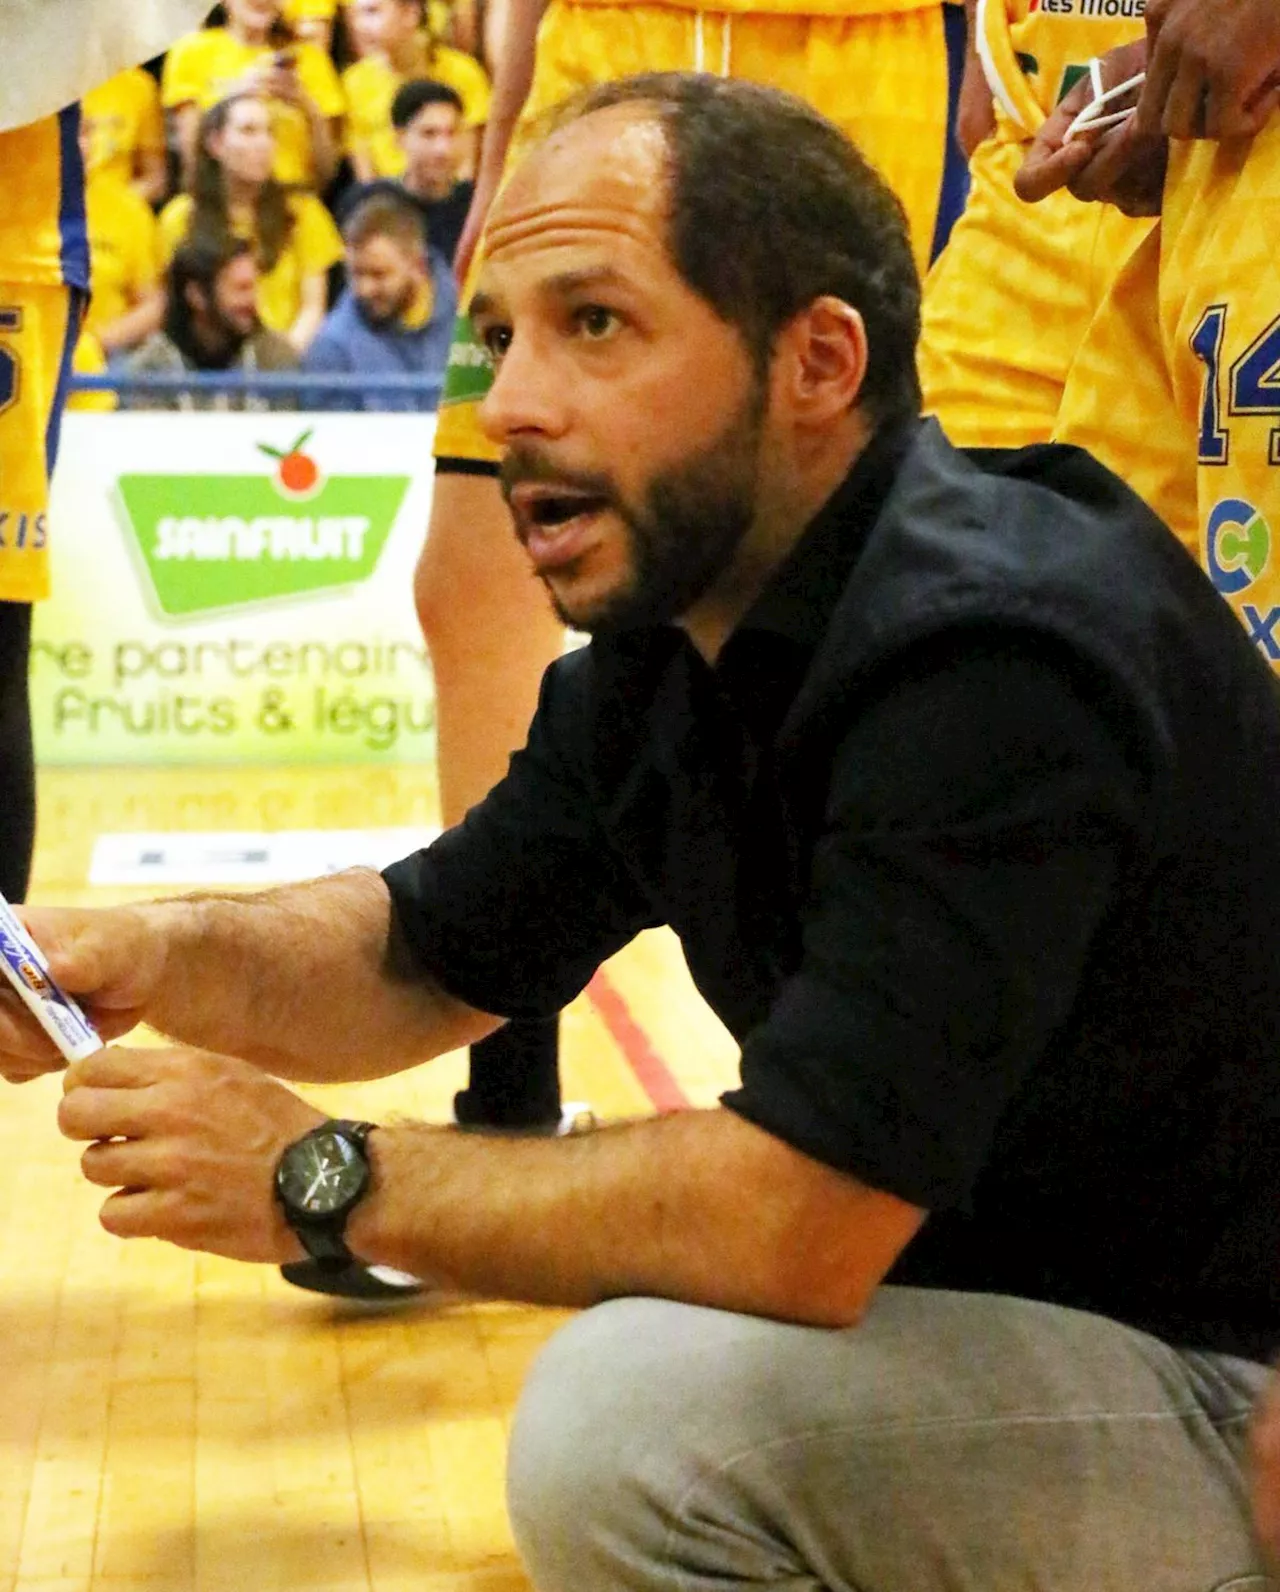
[180,1423]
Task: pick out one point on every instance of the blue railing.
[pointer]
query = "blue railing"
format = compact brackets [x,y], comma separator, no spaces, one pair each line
[298,384]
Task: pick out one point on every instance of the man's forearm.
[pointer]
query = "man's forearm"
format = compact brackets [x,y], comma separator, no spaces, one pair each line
[297,980]
[701,1207]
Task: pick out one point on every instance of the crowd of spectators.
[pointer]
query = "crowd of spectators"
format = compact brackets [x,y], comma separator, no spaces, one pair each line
[218,180]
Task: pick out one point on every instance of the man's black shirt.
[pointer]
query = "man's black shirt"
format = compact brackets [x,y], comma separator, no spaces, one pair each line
[964,838]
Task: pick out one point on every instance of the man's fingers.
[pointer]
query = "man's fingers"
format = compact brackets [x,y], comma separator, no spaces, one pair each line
[1046,170]
[87,1114]
[119,1067]
[1161,70]
[1184,106]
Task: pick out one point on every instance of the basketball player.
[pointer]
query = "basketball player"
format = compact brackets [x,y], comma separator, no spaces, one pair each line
[1007,303]
[53,54]
[1178,382]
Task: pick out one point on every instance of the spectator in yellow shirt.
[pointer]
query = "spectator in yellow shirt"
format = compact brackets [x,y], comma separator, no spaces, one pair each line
[255,54]
[310,20]
[127,138]
[234,195]
[405,50]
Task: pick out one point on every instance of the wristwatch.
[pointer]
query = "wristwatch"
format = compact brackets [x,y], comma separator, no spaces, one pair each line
[320,1178]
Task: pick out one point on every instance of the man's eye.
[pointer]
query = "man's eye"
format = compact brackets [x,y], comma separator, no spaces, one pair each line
[595,321]
[495,340]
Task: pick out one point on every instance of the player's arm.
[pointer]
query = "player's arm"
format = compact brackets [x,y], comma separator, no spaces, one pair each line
[312,298]
[512,79]
[136,324]
[976,112]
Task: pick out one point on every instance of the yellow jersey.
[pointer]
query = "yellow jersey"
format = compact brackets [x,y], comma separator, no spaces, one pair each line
[371,84]
[314,245]
[124,248]
[305,10]
[43,235]
[1034,51]
[201,68]
[798,8]
[123,116]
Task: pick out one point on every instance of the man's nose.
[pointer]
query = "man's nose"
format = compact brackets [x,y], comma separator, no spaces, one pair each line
[528,395]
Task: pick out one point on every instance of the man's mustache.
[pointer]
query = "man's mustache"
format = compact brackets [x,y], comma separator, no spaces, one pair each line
[524,466]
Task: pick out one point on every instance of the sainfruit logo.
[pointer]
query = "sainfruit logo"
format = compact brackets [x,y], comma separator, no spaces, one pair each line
[213,542]
[1237,545]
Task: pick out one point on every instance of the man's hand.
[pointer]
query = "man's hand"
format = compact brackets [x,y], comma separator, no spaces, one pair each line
[1120,166]
[190,1141]
[1213,68]
[111,961]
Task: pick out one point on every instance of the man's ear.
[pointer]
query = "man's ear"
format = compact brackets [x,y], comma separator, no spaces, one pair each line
[826,360]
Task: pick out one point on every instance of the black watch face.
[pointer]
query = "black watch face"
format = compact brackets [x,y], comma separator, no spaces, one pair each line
[321,1174]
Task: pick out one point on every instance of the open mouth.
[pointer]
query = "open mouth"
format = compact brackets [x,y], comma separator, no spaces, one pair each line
[549,512]
[556,524]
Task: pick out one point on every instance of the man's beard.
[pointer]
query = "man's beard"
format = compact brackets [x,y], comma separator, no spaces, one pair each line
[681,536]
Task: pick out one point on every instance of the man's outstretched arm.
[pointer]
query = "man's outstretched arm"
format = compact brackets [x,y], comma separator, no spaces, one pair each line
[299,980]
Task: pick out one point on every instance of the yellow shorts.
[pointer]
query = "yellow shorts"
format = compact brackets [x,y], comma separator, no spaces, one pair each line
[38,329]
[882,78]
[1177,386]
[1008,303]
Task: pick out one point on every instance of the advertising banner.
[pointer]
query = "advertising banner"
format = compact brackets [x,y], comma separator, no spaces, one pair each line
[235,588]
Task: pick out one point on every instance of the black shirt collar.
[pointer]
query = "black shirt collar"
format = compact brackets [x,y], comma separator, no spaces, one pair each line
[799,601]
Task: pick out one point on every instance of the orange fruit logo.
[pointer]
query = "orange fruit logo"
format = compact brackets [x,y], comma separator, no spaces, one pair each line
[297,473]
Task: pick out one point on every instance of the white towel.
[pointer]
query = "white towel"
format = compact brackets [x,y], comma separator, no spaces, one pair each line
[56,50]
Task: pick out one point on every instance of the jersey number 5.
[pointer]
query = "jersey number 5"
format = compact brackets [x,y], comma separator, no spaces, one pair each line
[1253,384]
[10,366]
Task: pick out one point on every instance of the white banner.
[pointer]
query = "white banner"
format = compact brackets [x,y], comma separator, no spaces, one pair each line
[235,588]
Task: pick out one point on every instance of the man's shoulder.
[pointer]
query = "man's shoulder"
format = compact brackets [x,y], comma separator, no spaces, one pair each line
[157,353]
[270,351]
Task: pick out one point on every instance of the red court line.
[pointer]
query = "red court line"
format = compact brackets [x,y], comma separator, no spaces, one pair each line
[651,1071]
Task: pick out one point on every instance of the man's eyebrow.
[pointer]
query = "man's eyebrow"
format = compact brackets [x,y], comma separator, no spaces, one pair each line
[562,285]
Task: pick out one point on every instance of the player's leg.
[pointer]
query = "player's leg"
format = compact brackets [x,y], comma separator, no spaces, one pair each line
[491,635]
[38,330]
[1008,303]
[1220,311]
[883,79]
[1119,401]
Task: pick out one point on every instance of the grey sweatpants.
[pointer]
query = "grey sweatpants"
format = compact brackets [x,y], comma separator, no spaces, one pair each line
[949,1443]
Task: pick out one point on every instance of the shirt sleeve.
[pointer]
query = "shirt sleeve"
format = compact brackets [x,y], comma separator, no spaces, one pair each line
[317,241]
[172,228]
[185,73]
[514,909]
[150,115]
[320,79]
[978,820]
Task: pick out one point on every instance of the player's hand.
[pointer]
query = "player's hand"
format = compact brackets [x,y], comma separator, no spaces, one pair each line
[189,1140]
[1264,1475]
[111,961]
[1213,68]
[1119,166]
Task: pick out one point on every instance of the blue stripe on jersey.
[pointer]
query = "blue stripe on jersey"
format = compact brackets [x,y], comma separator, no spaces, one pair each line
[955,169]
[76,302]
[72,225]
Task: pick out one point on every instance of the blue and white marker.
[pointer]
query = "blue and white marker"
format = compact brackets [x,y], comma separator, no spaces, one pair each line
[26,969]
